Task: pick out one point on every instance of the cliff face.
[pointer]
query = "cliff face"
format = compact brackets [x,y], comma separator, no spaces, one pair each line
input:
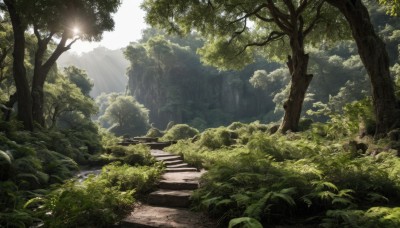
[106,67]
[187,92]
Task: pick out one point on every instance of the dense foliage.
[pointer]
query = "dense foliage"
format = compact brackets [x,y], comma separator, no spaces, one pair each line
[34,167]
[180,89]
[332,173]
[320,176]
[126,116]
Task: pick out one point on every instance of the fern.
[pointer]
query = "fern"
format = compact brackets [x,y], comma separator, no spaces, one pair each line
[244,222]
[5,157]
[241,199]
[268,200]
[29,177]
[17,218]
[376,197]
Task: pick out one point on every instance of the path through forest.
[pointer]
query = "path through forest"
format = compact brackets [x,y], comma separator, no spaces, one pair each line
[168,206]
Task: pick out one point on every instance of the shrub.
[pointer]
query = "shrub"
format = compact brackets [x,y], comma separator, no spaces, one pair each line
[373,217]
[93,203]
[98,201]
[138,155]
[215,138]
[141,178]
[132,155]
[154,133]
[236,125]
[180,131]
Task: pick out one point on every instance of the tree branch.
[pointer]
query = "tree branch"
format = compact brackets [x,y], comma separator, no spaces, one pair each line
[70,44]
[281,19]
[264,18]
[238,33]
[271,37]
[302,7]
[255,11]
[290,6]
[315,20]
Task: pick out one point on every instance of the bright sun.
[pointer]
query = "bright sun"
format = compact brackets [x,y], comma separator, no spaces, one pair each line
[76,31]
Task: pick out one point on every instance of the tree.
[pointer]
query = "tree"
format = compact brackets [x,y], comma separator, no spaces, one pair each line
[273,25]
[127,115]
[64,96]
[51,19]
[375,58]
[6,98]
[24,99]
[61,19]
[79,78]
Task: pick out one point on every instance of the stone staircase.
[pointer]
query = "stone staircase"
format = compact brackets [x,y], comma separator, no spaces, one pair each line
[168,206]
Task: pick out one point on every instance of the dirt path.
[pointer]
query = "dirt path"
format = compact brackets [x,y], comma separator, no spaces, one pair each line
[168,206]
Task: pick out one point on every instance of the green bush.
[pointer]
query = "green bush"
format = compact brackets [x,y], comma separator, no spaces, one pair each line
[284,179]
[132,155]
[117,151]
[180,131]
[215,138]
[373,217]
[236,125]
[98,201]
[141,178]
[94,203]
[138,155]
[154,133]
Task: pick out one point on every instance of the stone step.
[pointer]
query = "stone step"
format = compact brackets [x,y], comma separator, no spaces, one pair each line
[152,216]
[173,162]
[179,185]
[159,153]
[163,155]
[168,158]
[181,165]
[170,198]
[188,169]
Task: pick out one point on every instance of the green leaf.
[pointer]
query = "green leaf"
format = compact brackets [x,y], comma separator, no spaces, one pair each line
[342,201]
[287,198]
[244,222]
[34,201]
[5,157]
[224,202]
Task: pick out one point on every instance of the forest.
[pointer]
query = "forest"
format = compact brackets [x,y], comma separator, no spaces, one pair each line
[290,108]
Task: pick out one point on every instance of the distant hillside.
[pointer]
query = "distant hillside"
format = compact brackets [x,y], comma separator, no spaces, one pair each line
[106,67]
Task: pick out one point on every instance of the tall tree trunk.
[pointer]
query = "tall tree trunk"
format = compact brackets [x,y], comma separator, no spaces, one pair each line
[38,101]
[374,56]
[300,80]
[38,84]
[42,70]
[19,71]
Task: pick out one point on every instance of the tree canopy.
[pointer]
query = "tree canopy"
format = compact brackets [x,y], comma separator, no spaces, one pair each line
[127,116]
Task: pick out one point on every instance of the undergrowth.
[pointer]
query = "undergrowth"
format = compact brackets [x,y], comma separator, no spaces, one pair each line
[98,201]
[36,170]
[312,177]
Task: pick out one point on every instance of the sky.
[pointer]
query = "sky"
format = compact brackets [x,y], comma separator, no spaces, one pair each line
[129,22]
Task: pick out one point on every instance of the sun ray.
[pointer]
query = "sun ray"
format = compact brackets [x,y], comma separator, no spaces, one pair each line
[75,31]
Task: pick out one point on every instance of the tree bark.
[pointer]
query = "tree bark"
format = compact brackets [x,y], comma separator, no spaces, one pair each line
[374,56]
[300,80]
[19,70]
[41,71]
